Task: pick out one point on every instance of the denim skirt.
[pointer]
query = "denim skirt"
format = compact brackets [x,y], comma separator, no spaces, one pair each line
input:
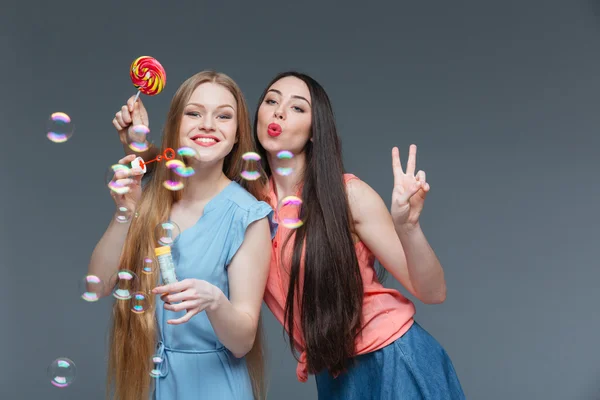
[414,367]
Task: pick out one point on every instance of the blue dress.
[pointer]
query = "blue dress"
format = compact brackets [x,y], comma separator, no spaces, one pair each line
[195,364]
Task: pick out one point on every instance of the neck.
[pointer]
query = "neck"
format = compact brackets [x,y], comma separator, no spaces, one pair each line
[287,185]
[207,181]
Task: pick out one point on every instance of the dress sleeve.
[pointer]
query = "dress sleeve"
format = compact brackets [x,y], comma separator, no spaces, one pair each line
[257,211]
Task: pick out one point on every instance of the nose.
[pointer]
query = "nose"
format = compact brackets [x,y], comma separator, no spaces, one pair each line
[279,114]
[206,124]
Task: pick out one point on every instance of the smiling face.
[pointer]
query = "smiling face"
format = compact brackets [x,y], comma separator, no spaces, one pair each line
[284,117]
[209,122]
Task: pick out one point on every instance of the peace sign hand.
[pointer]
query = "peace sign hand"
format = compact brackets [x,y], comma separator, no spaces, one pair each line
[410,190]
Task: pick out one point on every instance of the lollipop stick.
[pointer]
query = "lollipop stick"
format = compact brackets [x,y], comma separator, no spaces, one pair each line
[136,96]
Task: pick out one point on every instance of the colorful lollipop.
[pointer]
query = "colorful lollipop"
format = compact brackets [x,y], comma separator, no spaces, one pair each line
[148,76]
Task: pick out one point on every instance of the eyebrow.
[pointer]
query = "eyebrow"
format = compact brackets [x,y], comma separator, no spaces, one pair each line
[201,106]
[293,96]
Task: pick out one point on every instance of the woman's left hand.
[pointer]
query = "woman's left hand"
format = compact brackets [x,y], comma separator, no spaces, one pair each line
[194,295]
[410,190]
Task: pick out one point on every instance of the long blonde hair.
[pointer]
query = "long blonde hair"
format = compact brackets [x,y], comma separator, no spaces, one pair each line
[133,337]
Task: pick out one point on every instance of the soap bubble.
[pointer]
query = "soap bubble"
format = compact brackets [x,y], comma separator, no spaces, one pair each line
[251,167]
[288,212]
[62,372]
[91,288]
[59,127]
[166,233]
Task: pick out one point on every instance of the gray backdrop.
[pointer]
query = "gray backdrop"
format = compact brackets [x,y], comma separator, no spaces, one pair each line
[500,97]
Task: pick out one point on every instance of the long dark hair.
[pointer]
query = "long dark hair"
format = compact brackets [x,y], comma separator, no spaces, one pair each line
[331,298]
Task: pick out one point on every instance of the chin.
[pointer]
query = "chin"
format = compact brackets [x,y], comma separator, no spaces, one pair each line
[212,154]
[270,144]
[205,156]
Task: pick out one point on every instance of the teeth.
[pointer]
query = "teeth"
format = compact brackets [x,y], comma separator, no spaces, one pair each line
[205,140]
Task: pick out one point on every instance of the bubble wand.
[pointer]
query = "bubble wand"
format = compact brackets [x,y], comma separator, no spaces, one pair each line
[169,156]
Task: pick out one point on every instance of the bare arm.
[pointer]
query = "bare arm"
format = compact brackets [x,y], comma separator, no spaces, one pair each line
[373,224]
[104,262]
[421,258]
[235,320]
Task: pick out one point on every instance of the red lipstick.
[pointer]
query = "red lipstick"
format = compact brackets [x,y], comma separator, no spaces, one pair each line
[206,143]
[274,130]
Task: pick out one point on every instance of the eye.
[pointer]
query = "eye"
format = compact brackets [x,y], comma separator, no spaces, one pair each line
[193,114]
[297,109]
[270,101]
[225,116]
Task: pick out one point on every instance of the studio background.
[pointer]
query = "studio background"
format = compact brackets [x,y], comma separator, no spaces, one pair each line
[500,97]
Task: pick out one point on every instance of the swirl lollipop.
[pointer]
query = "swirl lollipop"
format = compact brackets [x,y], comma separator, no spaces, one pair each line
[148,76]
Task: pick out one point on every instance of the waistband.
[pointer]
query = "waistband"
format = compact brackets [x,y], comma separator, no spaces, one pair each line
[161,368]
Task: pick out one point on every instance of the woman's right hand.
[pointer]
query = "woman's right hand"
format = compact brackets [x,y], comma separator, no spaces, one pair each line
[130,114]
[126,184]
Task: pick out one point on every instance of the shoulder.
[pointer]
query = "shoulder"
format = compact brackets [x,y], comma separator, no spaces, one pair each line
[242,199]
[355,187]
[350,177]
[362,198]
[246,210]
[246,207]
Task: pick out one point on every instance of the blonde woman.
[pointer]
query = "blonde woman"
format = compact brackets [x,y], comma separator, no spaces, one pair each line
[205,324]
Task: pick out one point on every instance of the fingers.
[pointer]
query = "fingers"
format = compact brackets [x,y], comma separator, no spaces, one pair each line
[412,160]
[421,177]
[124,180]
[116,124]
[412,189]
[184,305]
[137,114]
[127,118]
[404,192]
[127,159]
[181,296]
[127,176]
[120,124]
[173,287]
[137,177]
[396,165]
[183,319]
[123,118]
[130,103]
[121,174]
